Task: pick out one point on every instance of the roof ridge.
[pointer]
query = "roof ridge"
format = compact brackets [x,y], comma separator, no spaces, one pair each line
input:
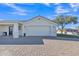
[40,16]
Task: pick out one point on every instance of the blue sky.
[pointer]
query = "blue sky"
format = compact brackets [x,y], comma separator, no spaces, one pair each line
[26,11]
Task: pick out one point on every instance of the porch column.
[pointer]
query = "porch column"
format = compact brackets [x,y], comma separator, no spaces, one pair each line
[15,31]
[23,30]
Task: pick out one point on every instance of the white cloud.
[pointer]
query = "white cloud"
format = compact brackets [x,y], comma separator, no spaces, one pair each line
[18,11]
[47,4]
[60,10]
[56,3]
[74,6]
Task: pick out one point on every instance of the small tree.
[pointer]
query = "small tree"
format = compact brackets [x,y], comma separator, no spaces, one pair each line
[62,21]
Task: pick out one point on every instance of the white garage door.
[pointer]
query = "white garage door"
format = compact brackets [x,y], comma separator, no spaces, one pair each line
[38,31]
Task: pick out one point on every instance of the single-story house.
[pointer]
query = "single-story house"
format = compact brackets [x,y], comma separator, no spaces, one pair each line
[69,31]
[37,26]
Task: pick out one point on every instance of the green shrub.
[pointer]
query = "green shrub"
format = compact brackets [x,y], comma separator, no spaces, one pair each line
[68,36]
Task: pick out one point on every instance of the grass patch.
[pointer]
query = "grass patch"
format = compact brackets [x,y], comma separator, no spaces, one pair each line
[67,36]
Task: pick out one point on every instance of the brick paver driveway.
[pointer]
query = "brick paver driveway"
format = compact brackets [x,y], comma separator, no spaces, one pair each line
[47,46]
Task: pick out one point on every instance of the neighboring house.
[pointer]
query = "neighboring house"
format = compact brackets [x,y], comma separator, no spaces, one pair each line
[37,26]
[72,31]
[69,32]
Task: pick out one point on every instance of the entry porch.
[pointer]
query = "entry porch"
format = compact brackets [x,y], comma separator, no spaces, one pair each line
[11,30]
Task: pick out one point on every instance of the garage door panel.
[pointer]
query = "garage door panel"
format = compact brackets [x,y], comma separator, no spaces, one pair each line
[37,31]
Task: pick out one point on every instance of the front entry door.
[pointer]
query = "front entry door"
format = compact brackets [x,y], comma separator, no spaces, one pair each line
[10,30]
